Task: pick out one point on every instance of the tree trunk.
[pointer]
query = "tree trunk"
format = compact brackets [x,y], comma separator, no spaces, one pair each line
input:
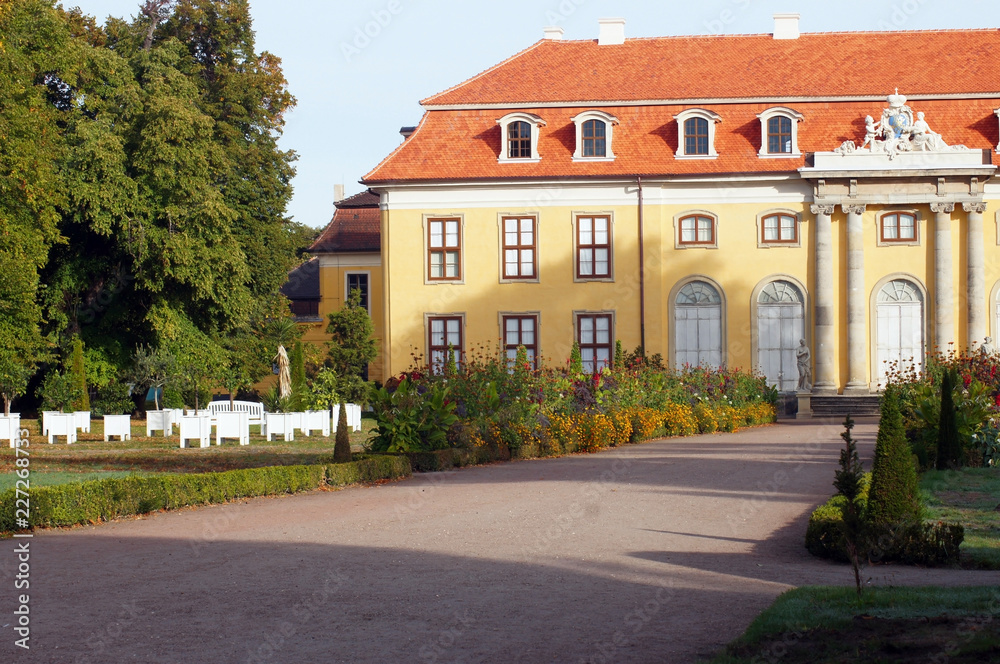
[6,405]
[342,447]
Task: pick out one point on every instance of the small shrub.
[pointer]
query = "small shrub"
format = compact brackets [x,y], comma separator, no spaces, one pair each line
[893,498]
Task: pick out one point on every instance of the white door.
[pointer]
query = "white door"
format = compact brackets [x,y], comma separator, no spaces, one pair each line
[900,328]
[780,325]
[698,326]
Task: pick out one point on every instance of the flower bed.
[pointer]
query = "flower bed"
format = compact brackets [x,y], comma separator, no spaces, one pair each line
[491,403]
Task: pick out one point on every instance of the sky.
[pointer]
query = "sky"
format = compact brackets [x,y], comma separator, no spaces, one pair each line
[359,68]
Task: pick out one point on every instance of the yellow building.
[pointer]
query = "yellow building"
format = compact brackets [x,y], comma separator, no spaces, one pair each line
[347,256]
[716,200]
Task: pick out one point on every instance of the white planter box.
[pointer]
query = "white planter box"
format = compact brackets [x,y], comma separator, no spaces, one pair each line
[279,424]
[196,427]
[159,420]
[61,424]
[10,427]
[82,420]
[232,425]
[353,416]
[118,425]
[316,420]
[45,420]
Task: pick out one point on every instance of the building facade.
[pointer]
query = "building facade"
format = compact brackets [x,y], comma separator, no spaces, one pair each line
[718,200]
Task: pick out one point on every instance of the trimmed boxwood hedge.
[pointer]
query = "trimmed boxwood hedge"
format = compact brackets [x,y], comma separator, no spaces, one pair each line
[103,500]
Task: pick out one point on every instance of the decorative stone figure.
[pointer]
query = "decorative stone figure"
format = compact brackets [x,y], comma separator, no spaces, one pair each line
[803,358]
[987,347]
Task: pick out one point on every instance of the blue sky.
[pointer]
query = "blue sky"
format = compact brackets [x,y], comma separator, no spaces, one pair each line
[355,90]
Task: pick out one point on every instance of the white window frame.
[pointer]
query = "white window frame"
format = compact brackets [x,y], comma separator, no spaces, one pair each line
[459,352]
[918,228]
[347,289]
[535,122]
[611,332]
[712,118]
[997,113]
[503,279]
[762,244]
[611,246]
[781,111]
[609,122]
[427,218]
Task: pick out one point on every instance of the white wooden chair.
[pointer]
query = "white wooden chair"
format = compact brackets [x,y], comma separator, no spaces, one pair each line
[82,420]
[10,427]
[159,420]
[316,420]
[279,424]
[196,427]
[61,424]
[232,425]
[118,425]
[353,416]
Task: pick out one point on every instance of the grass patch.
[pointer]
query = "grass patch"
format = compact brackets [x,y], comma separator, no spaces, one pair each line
[888,625]
[970,496]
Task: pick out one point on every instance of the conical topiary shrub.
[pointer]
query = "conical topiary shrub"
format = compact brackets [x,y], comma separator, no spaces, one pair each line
[892,498]
[78,373]
[949,446]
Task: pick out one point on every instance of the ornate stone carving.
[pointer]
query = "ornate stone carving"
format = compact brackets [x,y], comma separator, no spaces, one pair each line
[974,207]
[823,208]
[898,131]
[854,208]
[938,208]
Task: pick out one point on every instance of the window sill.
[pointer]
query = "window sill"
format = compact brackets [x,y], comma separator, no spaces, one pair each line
[779,245]
[692,245]
[780,155]
[585,159]
[696,156]
[898,243]
[531,160]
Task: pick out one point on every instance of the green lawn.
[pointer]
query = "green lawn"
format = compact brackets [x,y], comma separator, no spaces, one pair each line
[158,454]
[815,625]
[970,496]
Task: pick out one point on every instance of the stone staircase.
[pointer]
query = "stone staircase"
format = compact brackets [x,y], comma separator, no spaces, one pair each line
[839,405]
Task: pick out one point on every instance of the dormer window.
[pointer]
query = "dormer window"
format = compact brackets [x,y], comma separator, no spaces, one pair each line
[779,132]
[593,136]
[519,132]
[696,134]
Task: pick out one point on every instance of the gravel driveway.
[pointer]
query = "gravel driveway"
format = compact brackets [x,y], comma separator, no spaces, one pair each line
[660,552]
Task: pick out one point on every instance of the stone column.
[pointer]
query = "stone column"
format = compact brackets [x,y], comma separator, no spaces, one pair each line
[857,342]
[824,373]
[978,309]
[944,294]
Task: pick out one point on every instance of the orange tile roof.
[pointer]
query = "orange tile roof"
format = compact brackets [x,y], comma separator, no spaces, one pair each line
[820,75]
[740,66]
[463,145]
[355,227]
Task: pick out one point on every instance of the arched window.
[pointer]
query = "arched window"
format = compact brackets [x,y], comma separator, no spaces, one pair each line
[779,132]
[780,326]
[779,135]
[698,326]
[696,133]
[519,140]
[899,312]
[594,136]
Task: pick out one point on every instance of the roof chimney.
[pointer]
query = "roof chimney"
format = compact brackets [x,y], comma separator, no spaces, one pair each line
[552,33]
[338,193]
[612,31]
[405,132]
[786,26]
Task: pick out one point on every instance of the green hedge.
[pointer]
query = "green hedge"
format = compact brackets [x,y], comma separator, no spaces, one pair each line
[914,543]
[107,499]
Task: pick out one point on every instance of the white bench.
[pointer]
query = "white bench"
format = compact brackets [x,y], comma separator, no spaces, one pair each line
[232,425]
[254,410]
[196,427]
[159,420]
[61,424]
[81,418]
[353,416]
[279,424]
[118,425]
[10,427]
[316,420]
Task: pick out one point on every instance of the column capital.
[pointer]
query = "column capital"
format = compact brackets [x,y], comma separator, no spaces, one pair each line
[854,208]
[823,208]
[978,208]
[942,208]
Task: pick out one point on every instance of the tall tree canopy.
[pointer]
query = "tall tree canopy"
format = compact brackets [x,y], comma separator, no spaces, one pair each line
[142,190]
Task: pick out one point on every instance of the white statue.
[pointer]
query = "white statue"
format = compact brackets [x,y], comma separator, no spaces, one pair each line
[987,348]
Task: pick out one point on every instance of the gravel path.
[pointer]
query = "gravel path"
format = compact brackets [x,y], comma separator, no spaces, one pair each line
[661,552]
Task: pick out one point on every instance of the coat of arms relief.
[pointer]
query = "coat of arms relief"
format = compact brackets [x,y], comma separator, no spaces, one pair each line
[898,131]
